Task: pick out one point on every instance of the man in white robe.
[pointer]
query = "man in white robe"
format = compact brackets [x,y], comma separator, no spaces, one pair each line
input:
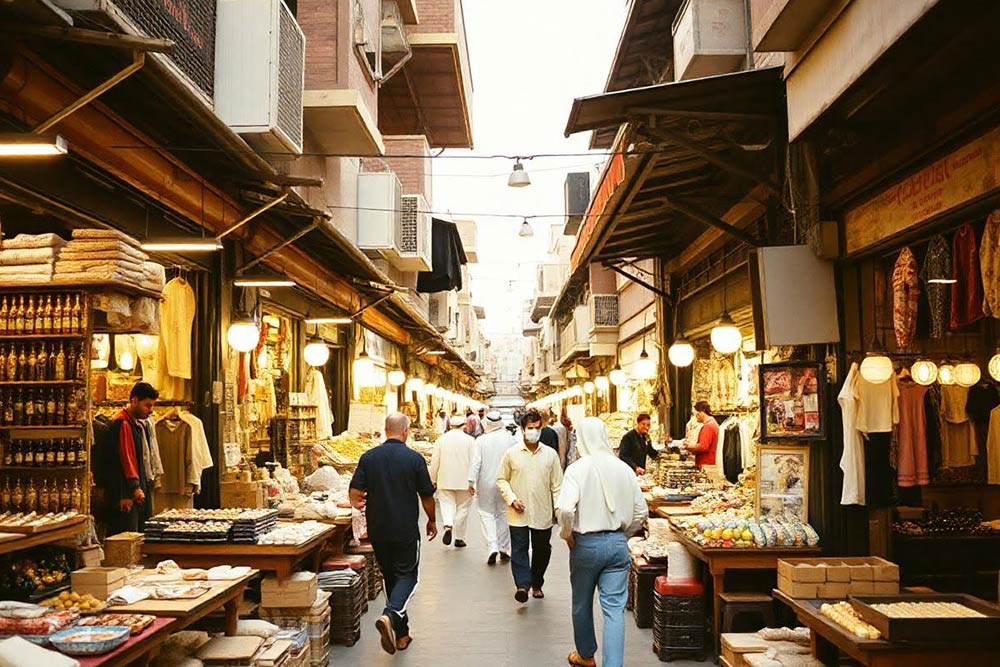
[449,466]
[489,451]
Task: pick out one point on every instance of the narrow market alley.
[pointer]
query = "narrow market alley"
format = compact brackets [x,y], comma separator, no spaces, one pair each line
[464,614]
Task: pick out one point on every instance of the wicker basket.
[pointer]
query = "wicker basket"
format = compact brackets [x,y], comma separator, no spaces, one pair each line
[123,550]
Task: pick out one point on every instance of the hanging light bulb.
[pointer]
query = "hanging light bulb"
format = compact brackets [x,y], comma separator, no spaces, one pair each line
[994,366]
[316,353]
[518,177]
[576,391]
[397,377]
[588,387]
[644,368]
[967,374]
[924,371]
[726,336]
[617,376]
[526,232]
[243,334]
[415,384]
[681,353]
[125,352]
[601,383]
[946,374]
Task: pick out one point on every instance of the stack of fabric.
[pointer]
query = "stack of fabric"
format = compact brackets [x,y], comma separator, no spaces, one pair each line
[29,258]
[105,255]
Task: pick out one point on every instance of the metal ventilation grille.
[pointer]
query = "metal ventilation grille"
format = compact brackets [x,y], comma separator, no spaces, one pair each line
[434,311]
[291,64]
[605,310]
[409,228]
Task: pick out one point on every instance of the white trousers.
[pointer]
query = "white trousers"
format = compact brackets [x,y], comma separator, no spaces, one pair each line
[496,530]
[455,506]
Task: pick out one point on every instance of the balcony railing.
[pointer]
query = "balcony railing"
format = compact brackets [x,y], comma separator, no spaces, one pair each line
[551,278]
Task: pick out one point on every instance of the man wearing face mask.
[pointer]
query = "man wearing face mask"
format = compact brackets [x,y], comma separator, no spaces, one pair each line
[529,481]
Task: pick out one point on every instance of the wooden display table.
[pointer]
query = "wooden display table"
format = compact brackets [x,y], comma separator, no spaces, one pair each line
[223,595]
[719,560]
[335,543]
[10,542]
[280,559]
[138,649]
[829,639]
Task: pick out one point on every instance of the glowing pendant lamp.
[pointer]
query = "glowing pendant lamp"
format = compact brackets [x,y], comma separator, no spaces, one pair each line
[681,353]
[924,371]
[946,374]
[994,366]
[967,374]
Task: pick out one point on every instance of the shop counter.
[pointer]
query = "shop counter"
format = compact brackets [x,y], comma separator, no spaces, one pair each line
[719,560]
[138,649]
[830,639]
[279,559]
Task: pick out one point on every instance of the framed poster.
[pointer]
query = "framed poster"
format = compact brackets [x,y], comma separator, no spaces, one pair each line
[783,481]
[791,401]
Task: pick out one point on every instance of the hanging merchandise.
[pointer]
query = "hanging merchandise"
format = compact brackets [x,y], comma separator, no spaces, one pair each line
[201,455]
[852,462]
[993,448]
[100,351]
[317,395]
[176,487]
[967,290]
[905,295]
[176,320]
[938,280]
[958,438]
[989,264]
[878,404]
[911,468]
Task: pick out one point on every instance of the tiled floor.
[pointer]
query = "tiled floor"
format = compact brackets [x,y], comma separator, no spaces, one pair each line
[464,614]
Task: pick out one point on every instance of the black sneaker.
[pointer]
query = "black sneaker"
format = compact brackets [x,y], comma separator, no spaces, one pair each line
[504,557]
[492,560]
[460,544]
[521,595]
[447,536]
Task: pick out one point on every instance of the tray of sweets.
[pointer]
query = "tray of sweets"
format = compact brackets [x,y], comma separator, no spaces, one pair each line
[931,618]
[34,522]
[135,622]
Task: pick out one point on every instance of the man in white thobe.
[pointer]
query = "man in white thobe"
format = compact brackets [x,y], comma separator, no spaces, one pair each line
[449,466]
[489,451]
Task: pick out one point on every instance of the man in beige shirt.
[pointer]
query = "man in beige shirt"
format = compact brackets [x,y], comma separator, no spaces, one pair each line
[529,480]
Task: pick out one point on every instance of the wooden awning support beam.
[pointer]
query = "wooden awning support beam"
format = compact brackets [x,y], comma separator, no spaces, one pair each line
[287,242]
[253,214]
[92,37]
[700,215]
[727,164]
[639,281]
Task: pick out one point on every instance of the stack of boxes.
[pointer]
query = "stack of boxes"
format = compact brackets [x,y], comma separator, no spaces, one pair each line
[297,603]
[836,578]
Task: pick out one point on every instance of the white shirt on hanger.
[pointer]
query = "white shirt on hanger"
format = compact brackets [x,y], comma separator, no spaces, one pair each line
[176,318]
[877,405]
[852,462]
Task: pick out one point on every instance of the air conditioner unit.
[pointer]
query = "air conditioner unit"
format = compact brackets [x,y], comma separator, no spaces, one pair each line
[393,34]
[413,235]
[379,204]
[260,73]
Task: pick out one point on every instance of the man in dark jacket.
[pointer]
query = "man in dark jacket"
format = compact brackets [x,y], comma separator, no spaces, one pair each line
[636,446]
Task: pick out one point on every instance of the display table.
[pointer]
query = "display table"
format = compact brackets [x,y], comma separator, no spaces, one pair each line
[829,639]
[719,560]
[10,542]
[335,543]
[138,649]
[224,595]
[280,559]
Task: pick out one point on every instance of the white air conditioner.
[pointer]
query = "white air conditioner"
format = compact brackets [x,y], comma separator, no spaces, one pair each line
[260,73]
[413,236]
[380,206]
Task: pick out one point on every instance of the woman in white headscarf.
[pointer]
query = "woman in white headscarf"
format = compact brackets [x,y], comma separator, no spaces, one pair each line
[599,506]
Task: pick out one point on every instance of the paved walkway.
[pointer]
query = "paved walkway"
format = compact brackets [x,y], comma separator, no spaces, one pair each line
[464,614]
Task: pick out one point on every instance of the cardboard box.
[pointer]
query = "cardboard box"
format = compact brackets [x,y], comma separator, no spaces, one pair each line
[241,494]
[838,573]
[298,590]
[798,589]
[861,572]
[834,590]
[885,588]
[862,588]
[883,570]
[804,572]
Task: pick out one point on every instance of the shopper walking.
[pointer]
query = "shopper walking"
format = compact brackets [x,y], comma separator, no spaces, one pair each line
[449,469]
[386,484]
[636,445]
[529,481]
[599,506]
[482,477]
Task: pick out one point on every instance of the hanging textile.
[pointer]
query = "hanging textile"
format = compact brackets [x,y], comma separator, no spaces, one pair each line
[447,258]
[852,461]
[905,294]
[993,448]
[967,290]
[316,391]
[176,319]
[176,489]
[989,264]
[958,437]
[724,384]
[911,467]
[937,266]
[878,405]
[201,455]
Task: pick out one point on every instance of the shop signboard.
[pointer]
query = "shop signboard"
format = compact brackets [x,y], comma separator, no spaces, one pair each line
[956,179]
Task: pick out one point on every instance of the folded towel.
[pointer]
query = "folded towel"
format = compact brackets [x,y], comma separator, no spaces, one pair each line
[26,270]
[108,245]
[113,276]
[31,278]
[105,234]
[19,652]
[19,256]
[127,595]
[76,266]
[23,241]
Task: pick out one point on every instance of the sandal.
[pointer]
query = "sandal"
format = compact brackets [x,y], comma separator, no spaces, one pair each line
[577,660]
[537,593]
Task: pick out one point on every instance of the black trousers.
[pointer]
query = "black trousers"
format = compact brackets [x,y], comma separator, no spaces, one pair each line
[399,562]
[530,572]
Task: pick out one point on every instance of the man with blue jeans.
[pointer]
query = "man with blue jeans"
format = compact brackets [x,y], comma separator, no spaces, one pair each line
[529,480]
[599,505]
[386,485]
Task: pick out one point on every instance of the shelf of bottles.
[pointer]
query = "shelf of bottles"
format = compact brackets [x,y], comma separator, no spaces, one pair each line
[45,400]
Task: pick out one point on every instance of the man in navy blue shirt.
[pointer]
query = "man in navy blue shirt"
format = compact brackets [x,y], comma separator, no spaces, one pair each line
[386,485]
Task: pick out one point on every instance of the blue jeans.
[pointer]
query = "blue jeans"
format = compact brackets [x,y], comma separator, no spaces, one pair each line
[399,562]
[530,572]
[600,560]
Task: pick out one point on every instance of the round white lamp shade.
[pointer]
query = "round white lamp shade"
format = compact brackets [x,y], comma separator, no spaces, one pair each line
[726,336]
[681,353]
[617,377]
[946,374]
[644,368]
[243,334]
[364,371]
[994,366]
[876,368]
[924,371]
[396,377]
[588,387]
[602,383]
[316,353]
[967,374]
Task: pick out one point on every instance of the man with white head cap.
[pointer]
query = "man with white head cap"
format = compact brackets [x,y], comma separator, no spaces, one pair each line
[449,466]
[599,506]
[482,477]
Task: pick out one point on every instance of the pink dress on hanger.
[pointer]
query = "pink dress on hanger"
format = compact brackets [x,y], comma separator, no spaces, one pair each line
[912,464]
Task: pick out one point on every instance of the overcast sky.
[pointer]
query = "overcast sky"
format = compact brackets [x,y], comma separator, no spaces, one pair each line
[530,58]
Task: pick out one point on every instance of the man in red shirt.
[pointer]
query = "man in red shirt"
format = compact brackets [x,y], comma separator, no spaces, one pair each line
[708,437]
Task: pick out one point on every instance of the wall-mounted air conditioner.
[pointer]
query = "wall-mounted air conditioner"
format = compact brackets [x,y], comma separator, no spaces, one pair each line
[379,204]
[260,73]
[413,235]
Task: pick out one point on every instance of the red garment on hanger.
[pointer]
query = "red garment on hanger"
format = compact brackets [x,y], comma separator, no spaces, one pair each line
[967,292]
